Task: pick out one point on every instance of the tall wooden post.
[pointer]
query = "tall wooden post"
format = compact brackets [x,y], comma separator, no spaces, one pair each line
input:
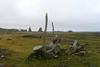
[45,30]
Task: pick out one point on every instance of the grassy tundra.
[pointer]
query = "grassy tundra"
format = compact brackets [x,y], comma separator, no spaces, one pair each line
[19,45]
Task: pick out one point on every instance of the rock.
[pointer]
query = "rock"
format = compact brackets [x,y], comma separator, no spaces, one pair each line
[76,49]
[2,65]
[2,56]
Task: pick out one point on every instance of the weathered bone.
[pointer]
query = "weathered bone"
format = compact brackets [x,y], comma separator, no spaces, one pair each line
[75,44]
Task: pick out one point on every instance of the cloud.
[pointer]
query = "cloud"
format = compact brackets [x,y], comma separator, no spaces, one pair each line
[66,14]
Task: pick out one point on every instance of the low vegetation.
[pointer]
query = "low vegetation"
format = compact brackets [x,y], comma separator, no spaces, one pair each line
[18,45]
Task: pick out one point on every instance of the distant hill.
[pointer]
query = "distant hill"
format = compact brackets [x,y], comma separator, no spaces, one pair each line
[8,30]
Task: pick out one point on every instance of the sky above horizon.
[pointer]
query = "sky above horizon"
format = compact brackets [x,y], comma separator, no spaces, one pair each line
[76,15]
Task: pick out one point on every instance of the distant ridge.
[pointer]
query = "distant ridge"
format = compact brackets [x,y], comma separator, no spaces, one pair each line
[8,30]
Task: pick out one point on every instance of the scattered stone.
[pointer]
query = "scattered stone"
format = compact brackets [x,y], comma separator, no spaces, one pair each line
[49,51]
[2,65]
[3,53]
[53,50]
[77,49]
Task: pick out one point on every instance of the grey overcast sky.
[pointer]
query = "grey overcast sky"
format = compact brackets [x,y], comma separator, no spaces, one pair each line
[76,15]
